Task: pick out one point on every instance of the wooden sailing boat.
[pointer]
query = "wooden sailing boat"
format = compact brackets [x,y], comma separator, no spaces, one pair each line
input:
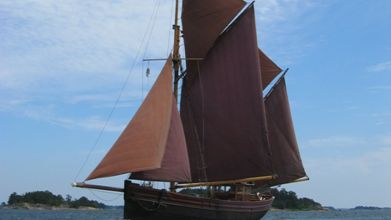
[228,136]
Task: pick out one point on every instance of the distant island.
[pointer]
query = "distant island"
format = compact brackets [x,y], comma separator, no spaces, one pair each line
[369,208]
[284,200]
[47,200]
[288,200]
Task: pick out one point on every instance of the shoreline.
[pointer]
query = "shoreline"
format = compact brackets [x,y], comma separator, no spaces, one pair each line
[29,206]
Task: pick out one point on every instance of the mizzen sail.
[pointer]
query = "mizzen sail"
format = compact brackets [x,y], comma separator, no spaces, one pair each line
[222,108]
[285,152]
[148,139]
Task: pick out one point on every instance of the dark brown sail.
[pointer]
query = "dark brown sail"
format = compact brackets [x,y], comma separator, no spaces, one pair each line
[269,69]
[204,20]
[225,131]
[285,152]
[143,143]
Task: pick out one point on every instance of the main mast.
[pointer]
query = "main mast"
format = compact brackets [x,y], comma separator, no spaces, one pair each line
[176,55]
[176,62]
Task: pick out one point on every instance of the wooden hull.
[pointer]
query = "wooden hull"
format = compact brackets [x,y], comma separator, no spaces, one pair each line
[150,204]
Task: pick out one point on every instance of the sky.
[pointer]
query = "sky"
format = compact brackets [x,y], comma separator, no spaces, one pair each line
[65,65]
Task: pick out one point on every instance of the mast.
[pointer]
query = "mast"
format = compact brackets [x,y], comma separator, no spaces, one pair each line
[176,63]
[176,56]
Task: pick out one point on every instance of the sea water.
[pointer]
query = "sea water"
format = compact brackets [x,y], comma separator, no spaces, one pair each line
[116,214]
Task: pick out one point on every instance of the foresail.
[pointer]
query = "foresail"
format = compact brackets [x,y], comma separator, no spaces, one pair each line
[142,144]
[285,152]
[225,131]
[269,70]
[175,165]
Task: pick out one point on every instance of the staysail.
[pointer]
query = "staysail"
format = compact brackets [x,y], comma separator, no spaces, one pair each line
[269,70]
[175,165]
[222,106]
[151,140]
[285,152]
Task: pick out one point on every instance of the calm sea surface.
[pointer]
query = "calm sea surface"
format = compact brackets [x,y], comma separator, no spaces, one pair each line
[6,214]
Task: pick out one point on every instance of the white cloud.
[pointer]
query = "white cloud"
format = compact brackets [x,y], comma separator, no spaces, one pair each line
[365,171]
[274,11]
[349,141]
[12,104]
[78,48]
[91,98]
[72,53]
[380,67]
[381,118]
[281,27]
[73,42]
[110,98]
[336,141]
[270,11]
[91,123]
[386,140]
[379,88]
[333,177]
[46,114]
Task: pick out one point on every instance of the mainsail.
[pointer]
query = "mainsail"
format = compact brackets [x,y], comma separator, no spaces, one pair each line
[222,107]
[153,140]
[204,20]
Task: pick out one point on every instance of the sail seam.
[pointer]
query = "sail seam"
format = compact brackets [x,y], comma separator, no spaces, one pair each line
[203,164]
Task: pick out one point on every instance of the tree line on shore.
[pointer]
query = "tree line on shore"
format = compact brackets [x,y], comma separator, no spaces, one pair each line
[288,200]
[49,199]
[282,199]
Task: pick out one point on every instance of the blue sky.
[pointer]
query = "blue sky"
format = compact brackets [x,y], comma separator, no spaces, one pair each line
[62,66]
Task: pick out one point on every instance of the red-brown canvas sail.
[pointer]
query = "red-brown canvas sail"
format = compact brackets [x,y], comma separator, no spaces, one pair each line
[175,165]
[142,145]
[269,69]
[225,131]
[285,152]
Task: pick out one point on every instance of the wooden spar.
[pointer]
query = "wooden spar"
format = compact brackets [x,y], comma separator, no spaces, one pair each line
[275,84]
[91,186]
[164,59]
[237,18]
[176,56]
[228,182]
[176,62]
[306,178]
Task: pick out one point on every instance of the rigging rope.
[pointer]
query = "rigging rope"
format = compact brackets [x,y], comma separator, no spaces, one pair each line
[118,195]
[142,80]
[138,53]
[169,26]
[202,141]
[154,18]
[152,28]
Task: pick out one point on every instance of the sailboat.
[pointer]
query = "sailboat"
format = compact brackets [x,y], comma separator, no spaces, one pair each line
[231,140]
